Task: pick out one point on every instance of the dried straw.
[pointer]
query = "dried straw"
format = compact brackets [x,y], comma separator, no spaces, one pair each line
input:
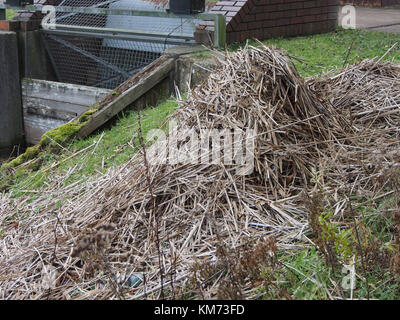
[321,135]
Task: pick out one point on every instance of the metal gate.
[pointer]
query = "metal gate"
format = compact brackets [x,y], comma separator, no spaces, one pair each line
[102,43]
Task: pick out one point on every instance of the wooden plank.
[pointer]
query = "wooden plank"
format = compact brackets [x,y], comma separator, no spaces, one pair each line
[140,83]
[63,92]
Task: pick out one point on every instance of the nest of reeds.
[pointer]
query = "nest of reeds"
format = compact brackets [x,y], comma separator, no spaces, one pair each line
[154,221]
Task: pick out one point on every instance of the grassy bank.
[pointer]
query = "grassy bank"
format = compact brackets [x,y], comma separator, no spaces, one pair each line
[301,272]
[94,155]
[324,52]
[308,275]
[304,272]
[321,53]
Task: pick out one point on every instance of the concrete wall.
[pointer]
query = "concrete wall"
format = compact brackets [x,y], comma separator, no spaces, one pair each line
[34,60]
[11,127]
[47,105]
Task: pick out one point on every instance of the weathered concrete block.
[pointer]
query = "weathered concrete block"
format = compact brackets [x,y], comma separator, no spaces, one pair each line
[47,105]
[34,59]
[11,127]
[192,69]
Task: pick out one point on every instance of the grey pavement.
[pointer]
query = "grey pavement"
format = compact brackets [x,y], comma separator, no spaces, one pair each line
[377,19]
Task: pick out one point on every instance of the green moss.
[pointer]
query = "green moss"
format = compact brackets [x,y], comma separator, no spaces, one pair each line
[112,146]
[201,55]
[52,141]
[86,116]
[61,135]
[5,181]
[29,154]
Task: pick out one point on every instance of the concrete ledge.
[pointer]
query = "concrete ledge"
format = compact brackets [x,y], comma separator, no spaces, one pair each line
[193,69]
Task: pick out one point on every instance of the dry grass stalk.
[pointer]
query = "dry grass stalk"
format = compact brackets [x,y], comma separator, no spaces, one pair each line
[314,136]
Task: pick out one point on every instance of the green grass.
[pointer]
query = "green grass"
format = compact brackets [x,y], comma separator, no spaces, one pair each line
[105,149]
[323,52]
[10,14]
[306,275]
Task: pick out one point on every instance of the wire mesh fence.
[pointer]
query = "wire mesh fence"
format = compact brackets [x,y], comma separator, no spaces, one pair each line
[88,61]
[104,50]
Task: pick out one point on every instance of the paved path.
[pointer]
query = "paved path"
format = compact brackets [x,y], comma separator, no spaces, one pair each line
[378,19]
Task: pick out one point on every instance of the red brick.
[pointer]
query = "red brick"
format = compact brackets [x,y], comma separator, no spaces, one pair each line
[273,18]
[7,25]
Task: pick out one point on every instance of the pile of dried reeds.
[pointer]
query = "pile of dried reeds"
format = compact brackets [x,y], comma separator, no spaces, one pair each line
[157,220]
[367,96]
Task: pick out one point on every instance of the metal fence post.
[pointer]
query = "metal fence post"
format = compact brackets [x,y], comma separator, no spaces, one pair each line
[220,31]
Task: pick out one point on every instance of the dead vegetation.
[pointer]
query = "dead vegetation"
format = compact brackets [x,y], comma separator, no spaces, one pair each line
[201,227]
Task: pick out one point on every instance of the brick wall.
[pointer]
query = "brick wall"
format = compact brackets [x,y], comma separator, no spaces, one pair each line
[370,3]
[264,19]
